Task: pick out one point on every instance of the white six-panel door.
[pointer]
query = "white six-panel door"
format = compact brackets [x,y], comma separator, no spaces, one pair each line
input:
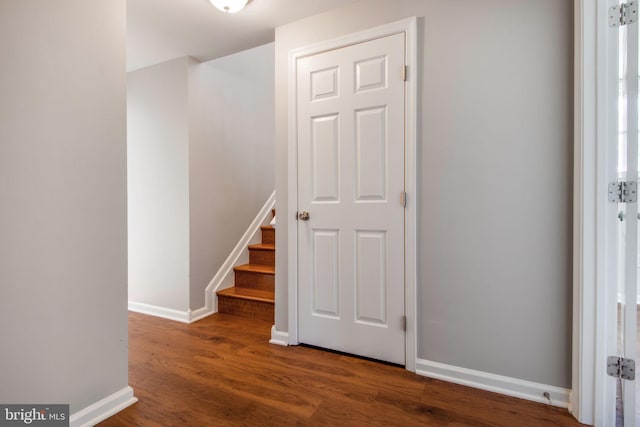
[351,142]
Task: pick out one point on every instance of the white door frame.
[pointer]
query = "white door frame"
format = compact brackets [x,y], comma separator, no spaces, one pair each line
[594,218]
[409,27]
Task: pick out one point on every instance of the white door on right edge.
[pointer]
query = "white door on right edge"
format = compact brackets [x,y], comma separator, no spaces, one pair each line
[626,303]
[351,171]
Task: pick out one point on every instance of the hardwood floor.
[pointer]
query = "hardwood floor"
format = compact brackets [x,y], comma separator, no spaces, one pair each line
[221,371]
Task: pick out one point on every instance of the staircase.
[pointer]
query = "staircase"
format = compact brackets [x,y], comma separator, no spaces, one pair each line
[253,293]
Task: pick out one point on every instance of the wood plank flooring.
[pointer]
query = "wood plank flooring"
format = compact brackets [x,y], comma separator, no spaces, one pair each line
[221,371]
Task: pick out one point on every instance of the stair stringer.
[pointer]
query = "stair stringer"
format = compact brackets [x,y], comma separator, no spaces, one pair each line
[240,255]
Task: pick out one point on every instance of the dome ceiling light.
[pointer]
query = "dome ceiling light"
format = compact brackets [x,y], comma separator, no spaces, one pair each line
[229,6]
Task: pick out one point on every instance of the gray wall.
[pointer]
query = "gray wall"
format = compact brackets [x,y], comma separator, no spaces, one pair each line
[158,184]
[63,244]
[201,165]
[494,180]
[231,155]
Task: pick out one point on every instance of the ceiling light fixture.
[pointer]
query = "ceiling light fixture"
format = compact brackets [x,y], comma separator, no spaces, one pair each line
[229,6]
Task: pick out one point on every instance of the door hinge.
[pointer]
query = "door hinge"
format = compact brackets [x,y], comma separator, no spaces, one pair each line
[623,14]
[404,73]
[404,323]
[623,192]
[403,199]
[619,367]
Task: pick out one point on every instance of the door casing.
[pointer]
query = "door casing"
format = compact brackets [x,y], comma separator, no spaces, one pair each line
[409,27]
[592,399]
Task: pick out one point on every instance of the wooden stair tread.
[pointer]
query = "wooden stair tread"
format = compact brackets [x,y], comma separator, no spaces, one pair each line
[263,247]
[256,268]
[253,295]
[248,294]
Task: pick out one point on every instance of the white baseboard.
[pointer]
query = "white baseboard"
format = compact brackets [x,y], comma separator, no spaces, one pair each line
[103,409]
[157,311]
[279,337]
[495,383]
[240,255]
[170,313]
[200,313]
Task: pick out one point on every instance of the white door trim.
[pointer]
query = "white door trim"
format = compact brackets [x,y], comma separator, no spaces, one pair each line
[409,27]
[593,312]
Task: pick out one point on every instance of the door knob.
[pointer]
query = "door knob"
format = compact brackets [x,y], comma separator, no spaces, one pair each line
[303,216]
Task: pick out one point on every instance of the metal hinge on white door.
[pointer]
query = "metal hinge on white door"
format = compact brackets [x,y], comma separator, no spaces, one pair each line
[404,73]
[623,192]
[403,199]
[619,367]
[623,14]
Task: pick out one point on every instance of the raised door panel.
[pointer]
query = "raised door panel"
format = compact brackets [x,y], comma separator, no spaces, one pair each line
[371,154]
[325,258]
[325,152]
[371,277]
[370,74]
[324,84]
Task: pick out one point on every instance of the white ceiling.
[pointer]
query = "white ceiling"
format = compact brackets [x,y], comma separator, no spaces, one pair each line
[160,30]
